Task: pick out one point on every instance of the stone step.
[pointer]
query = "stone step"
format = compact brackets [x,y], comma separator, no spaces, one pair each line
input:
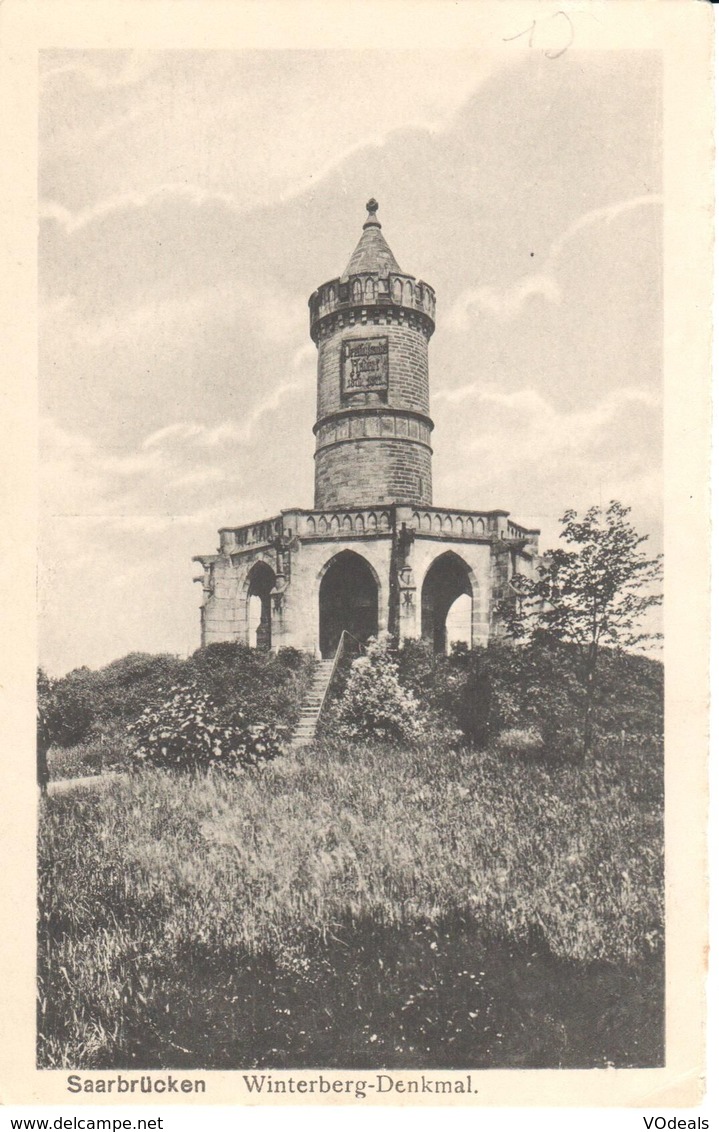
[309,712]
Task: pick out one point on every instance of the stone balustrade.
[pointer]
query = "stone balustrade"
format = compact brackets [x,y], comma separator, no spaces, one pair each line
[531,534]
[252,534]
[345,522]
[452,523]
[362,522]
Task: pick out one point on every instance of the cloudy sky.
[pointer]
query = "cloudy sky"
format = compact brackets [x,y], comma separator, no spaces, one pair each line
[191,202]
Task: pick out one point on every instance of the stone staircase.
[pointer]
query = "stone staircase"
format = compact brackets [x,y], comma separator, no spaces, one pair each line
[307,724]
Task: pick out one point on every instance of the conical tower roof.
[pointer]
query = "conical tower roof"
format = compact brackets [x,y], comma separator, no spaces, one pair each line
[372,253]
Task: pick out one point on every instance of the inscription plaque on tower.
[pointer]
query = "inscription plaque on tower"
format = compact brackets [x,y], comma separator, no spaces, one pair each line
[365,365]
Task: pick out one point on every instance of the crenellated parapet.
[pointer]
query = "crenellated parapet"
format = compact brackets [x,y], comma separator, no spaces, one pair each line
[396,299]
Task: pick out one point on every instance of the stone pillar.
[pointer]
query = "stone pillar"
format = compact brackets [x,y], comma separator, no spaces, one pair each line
[501,573]
[409,613]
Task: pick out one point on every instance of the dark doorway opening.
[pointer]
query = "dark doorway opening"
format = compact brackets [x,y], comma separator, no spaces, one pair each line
[348,600]
[259,606]
[446,580]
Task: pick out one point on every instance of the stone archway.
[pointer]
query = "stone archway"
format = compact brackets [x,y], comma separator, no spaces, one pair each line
[261,581]
[448,578]
[348,599]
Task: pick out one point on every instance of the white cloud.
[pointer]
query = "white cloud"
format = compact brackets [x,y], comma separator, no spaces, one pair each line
[212,114]
[523,452]
[117,535]
[164,472]
[79,477]
[539,430]
[122,202]
[198,435]
[506,303]
[502,303]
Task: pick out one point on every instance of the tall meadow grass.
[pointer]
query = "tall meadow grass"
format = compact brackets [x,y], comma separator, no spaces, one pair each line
[160,879]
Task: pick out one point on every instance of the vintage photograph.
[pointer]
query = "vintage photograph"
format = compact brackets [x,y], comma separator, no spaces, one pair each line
[350,708]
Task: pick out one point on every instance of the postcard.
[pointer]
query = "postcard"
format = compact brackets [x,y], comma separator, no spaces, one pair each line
[357,373]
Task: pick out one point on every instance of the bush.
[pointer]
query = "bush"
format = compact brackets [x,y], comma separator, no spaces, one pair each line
[374,703]
[630,696]
[474,706]
[188,731]
[80,706]
[435,681]
[291,658]
[87,713]
[247,682]
[126,686]
[508,686]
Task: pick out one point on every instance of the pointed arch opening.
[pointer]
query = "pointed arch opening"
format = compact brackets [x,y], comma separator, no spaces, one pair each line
[261,582]
[459,622]
[447,600]
[349,599]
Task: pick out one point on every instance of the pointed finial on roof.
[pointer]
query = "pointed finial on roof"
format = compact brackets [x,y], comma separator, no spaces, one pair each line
[372,220]
[372,253]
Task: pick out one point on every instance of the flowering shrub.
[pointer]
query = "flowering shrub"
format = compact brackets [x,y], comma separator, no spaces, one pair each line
[187,731]
[374,703]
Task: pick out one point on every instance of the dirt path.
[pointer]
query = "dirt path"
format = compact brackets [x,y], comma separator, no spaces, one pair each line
[91,781]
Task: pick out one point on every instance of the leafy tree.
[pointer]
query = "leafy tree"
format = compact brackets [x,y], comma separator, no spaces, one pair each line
[593,594]
[64,715]
[66,709]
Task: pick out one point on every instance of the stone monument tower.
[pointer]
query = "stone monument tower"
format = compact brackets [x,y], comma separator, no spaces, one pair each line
[374,552]
[372,322]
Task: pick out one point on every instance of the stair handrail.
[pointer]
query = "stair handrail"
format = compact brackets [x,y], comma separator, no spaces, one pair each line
[339,653]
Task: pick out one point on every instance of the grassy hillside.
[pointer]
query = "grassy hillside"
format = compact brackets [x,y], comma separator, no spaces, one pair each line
[361,905]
